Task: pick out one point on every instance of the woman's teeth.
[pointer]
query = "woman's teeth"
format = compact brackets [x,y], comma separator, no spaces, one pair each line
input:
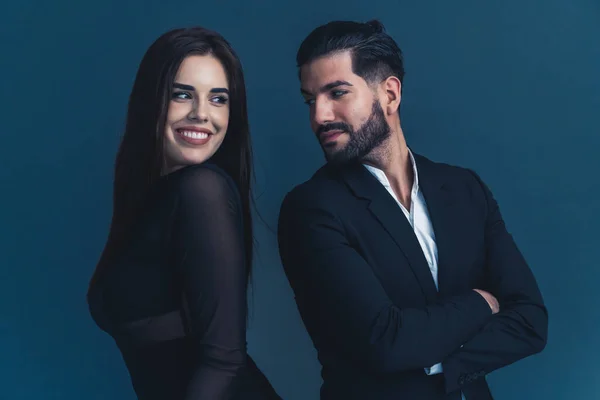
[194,135]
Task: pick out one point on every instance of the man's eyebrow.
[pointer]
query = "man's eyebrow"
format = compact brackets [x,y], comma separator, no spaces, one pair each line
[327,87]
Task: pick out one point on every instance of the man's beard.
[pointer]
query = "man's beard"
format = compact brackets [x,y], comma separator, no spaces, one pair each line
[361,142]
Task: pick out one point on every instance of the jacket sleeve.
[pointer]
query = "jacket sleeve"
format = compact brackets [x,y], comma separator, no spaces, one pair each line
[520,328]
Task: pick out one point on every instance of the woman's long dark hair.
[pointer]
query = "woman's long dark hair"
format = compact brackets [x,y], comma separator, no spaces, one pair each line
[140,157]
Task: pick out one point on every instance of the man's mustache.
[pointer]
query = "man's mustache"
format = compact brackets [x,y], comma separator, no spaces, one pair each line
[334,126]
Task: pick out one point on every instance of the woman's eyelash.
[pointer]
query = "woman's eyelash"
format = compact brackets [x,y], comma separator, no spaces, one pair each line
[179,94]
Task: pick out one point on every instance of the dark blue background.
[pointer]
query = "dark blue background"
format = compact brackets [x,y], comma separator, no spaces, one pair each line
[511,89]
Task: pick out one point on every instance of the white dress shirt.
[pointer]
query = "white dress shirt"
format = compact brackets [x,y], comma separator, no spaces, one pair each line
[418,217]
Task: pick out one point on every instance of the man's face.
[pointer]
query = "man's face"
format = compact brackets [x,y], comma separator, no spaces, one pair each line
[345,113]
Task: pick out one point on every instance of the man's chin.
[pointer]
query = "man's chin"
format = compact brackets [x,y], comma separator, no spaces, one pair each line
[329,152]
[337,157]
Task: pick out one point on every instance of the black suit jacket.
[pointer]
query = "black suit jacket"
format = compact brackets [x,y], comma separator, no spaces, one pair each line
[367,298]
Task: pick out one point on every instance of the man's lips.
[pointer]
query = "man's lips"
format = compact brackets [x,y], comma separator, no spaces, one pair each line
[330,136]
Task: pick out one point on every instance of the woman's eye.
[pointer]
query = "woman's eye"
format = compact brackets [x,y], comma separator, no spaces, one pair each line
[181,95]
[220,99]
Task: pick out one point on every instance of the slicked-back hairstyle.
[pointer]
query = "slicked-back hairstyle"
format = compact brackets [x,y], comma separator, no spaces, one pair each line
[375,55]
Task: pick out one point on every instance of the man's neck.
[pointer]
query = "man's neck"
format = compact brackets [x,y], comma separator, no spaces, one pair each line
[394,160]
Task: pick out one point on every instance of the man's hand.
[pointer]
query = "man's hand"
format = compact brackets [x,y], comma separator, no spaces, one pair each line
[492,301]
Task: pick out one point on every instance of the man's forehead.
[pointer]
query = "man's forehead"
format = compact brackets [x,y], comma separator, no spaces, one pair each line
[330,68]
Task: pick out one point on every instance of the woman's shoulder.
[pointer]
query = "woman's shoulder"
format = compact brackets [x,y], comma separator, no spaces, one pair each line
[205,169]
[207,179]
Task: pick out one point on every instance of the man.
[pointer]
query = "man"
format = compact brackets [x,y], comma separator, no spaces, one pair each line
[403,271]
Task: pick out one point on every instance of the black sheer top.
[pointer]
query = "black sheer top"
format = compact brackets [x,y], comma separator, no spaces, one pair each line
[175,299]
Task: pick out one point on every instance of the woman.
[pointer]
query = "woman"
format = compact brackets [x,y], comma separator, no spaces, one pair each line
[170,286]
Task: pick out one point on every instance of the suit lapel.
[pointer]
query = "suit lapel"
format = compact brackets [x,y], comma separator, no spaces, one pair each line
[439,199]
[385,209]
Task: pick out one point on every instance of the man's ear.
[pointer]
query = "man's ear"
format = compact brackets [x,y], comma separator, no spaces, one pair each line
[392,88]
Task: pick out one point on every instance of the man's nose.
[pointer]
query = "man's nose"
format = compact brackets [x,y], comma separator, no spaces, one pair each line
[323,112]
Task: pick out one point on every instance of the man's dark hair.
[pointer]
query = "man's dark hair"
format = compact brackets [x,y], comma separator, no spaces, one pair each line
[375,55]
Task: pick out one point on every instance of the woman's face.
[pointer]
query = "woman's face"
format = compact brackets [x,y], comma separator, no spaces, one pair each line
[198,113]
